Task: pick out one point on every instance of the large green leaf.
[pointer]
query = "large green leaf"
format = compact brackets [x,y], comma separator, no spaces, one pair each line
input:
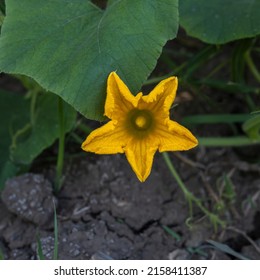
[21,142]
[13,114]
[70,46]
[45,130]
[220,21]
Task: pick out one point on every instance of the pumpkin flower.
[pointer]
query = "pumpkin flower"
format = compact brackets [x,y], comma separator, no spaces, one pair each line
[139,126]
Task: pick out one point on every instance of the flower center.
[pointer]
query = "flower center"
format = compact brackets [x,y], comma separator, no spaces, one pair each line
[140,121]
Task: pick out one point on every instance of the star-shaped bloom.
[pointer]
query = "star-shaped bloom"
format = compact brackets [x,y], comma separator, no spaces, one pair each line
[139,126]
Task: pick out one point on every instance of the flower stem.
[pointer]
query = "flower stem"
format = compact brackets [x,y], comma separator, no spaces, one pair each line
[60,159]
[191,198]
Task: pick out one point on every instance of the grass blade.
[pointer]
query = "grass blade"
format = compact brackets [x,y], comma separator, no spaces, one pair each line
[173,233]
[55,253]
[39,249]
[226,249]
[1,255]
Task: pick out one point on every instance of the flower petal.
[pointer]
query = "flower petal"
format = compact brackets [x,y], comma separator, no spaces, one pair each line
[119,98]
[108,139]
[162,96]
[174,137]
[139,154]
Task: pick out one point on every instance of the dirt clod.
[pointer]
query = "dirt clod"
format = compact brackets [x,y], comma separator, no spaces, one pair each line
[30,197]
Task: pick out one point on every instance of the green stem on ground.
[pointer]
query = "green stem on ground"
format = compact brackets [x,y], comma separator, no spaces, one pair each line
[60,158]
[191,198]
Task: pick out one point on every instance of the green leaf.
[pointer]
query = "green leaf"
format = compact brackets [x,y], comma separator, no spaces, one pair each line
[45,130]
[218,21]
[8,170]
[70,46]
[20,142]
[13,114]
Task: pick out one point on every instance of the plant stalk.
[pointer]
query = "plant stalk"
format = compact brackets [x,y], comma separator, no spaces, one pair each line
[190,196]
[60,158]
[252,66]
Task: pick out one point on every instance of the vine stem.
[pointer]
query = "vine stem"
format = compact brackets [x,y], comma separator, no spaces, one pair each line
[60,158]
[191,198]
[252,66]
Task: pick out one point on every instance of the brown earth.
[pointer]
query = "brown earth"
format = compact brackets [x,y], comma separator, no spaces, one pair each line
[105,212]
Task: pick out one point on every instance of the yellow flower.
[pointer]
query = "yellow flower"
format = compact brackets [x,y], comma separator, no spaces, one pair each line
[139,125]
